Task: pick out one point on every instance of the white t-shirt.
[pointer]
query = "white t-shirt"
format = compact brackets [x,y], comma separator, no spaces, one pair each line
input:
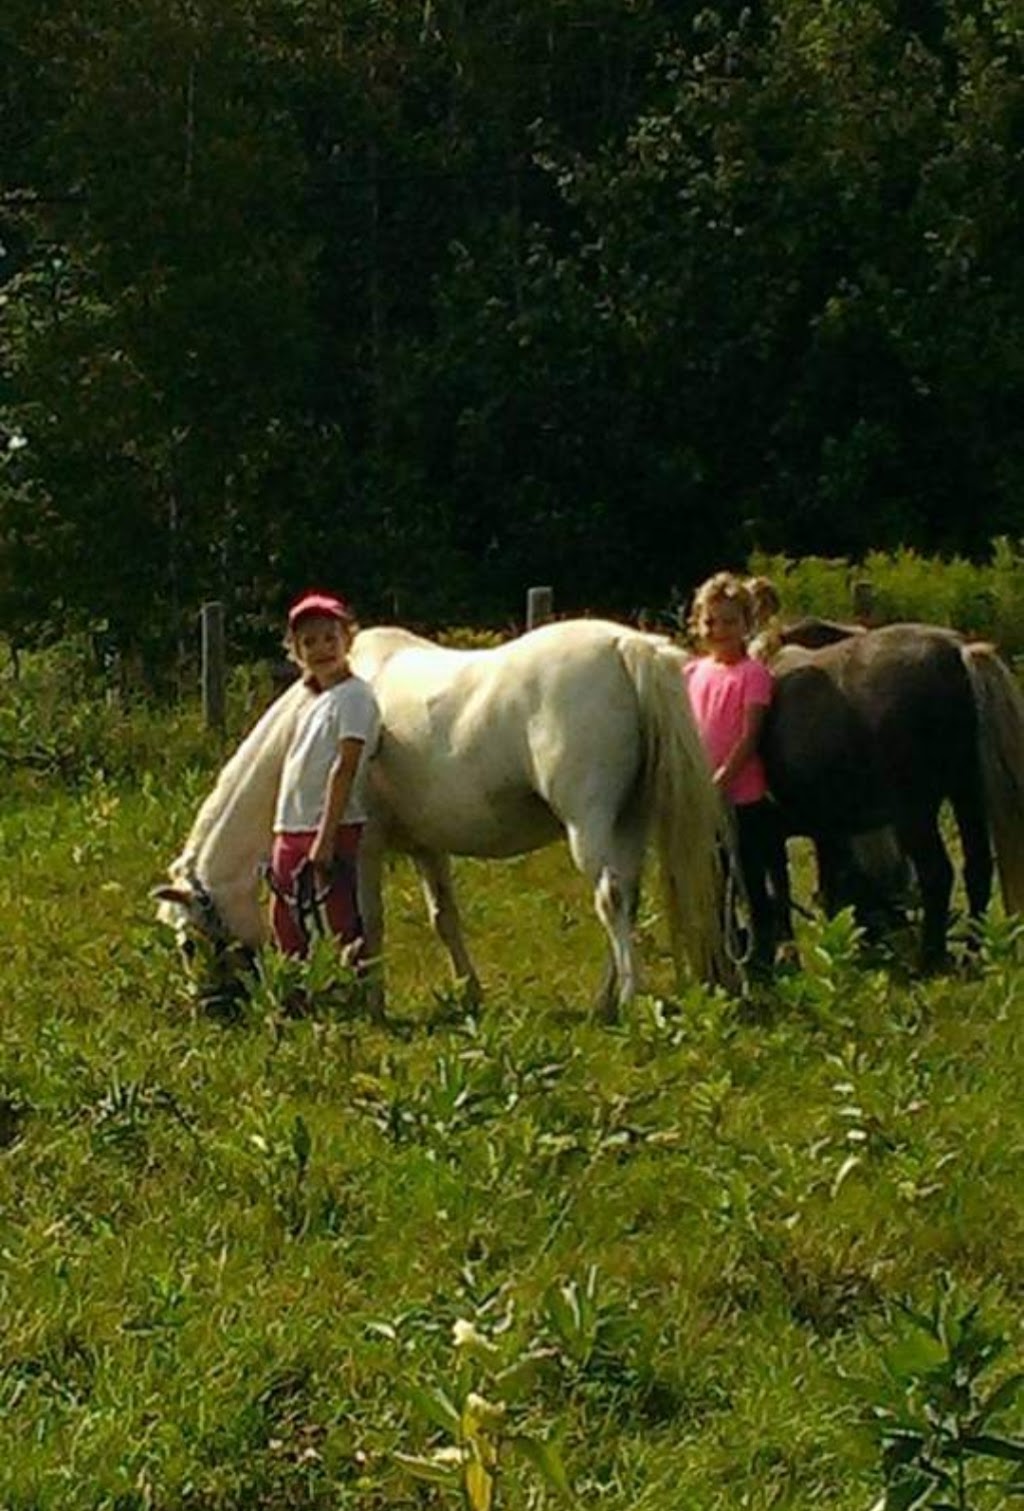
[347,711]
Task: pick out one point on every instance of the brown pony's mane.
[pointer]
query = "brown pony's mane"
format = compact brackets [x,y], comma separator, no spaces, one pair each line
[813,633]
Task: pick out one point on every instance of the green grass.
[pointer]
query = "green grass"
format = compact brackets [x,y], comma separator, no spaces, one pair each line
[232,1253]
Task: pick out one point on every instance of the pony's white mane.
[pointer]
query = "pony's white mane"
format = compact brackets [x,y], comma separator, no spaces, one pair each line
[232,831]
[249,766]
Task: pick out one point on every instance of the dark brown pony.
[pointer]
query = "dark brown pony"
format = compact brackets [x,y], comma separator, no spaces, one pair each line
[879,729]
[814,633]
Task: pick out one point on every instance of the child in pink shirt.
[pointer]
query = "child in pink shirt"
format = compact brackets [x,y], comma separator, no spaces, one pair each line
[730,693]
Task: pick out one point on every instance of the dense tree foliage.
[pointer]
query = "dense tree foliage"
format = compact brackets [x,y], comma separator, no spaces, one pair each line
[433,300]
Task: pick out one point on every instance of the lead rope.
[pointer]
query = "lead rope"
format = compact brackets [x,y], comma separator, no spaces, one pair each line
[309,901]
[739,941]
[305,902]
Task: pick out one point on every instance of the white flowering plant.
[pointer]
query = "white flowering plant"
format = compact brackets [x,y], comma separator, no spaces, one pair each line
[481,1415]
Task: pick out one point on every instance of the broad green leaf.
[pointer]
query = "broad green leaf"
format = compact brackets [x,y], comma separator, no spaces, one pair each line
[513,1383]
[436,1406]
[449,1475]
[914,1355]
[995,1447]
[1003,1396]
[546,1459]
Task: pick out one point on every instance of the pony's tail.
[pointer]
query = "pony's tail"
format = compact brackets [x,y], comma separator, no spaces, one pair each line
[1000,706]
[682,806]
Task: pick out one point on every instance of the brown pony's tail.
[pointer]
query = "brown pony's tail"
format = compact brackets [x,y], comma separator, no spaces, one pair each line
[1000,705]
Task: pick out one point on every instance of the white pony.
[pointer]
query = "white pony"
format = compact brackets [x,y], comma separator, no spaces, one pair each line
[580,728]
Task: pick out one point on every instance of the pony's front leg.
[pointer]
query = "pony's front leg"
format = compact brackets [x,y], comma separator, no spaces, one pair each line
[439,893]
[371,910]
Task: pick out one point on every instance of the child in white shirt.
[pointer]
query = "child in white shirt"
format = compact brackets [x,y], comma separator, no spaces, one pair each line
[321,802]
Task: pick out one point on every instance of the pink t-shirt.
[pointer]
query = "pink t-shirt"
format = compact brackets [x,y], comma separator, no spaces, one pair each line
[720,692]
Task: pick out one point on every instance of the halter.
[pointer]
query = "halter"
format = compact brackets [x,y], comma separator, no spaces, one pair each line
[224,984]
[209,920]
[304,902]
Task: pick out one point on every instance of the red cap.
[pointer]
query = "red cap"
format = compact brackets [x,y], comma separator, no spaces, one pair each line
[318,603]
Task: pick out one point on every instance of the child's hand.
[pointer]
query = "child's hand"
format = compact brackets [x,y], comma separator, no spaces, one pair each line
[321,853]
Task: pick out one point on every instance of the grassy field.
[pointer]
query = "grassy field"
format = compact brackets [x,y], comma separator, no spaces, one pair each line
[499,1260]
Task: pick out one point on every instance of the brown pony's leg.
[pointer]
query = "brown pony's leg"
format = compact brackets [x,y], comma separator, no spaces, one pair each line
[828,854]
[843,883]
[972,823]
[778,877]
[919,835]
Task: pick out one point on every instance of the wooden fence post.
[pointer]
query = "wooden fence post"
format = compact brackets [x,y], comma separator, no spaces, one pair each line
[213,672]
[862,596]
[539,606]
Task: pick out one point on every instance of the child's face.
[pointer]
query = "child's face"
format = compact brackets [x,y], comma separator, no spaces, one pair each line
[724,627]
[321,647]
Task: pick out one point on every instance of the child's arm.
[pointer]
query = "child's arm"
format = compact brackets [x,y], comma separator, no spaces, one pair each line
[746,745]
[339,785]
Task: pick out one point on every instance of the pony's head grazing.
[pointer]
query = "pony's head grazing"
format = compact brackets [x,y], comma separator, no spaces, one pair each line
[213,958]
[211,901]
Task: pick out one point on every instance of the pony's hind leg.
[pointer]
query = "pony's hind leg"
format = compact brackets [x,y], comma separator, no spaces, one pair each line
[612,865]
[439,894]
[919,835]
[614,910]
[972,824]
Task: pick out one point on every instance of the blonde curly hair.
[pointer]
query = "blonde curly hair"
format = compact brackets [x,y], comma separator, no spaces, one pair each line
[766,599]
[722,587]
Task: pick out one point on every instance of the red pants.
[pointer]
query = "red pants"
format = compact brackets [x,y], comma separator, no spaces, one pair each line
[295,926]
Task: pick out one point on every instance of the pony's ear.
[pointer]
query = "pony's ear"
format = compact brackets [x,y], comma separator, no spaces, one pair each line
[172,893]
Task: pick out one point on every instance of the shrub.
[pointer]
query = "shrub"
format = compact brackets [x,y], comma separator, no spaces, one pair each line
[984,600]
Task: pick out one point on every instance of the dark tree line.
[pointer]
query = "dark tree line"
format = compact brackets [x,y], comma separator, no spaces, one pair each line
[429,301]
